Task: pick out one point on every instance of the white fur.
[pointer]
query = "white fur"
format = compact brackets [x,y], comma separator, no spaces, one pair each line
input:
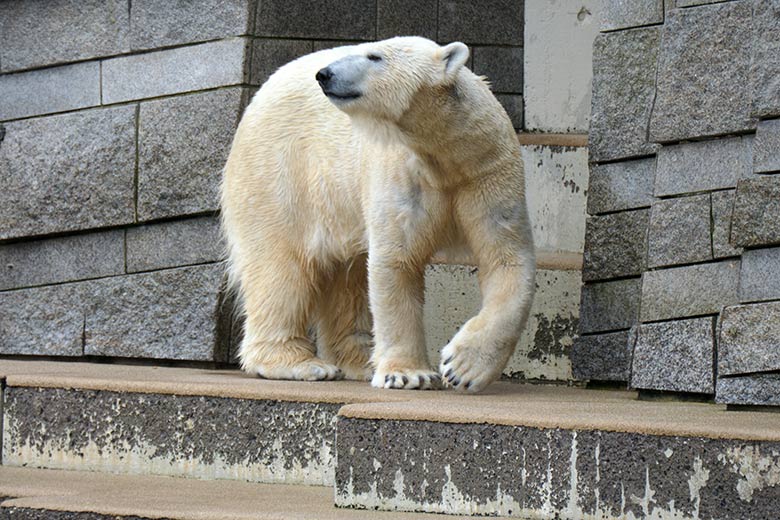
[319,194]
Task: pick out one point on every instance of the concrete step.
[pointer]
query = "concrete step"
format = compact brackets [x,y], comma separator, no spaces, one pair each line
[39,494]
[527,451]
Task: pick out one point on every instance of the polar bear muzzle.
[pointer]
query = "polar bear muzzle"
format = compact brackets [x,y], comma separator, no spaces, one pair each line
[341,80]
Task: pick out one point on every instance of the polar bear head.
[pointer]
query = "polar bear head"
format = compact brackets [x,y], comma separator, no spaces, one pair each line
[380,80]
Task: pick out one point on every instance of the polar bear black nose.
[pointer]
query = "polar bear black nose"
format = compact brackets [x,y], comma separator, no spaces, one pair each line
[324,75]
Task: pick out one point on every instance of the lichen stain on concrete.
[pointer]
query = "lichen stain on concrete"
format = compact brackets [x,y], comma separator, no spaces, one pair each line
[553,337]
[758,471]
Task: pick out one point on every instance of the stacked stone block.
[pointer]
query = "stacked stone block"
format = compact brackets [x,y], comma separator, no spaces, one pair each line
[115,122]
[681,274]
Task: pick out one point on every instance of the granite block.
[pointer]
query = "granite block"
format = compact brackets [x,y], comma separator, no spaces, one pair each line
[64,259]
[406,17]
[679,231]
[722,209]
[34,34]
[171,71]
[513,104]
[749,339]
[624,14]
[703,166]
[693,290]
[759,277]
[172,244]
[67,172]
[169,314]
[703,87]
[603,357]
[610,305]
[183,143]
[503,67]
[489,22]
[766,147]
[44,321]
[615,245]
[765,62]
[46,91]
[756,217]
[675,356]
[161,24]
[621,185]
[325,19]
[624,75]
[753,390]
[268,55]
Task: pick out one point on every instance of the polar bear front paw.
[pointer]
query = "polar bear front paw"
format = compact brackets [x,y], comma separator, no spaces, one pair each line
[312,369]
[467,367]
[407,379]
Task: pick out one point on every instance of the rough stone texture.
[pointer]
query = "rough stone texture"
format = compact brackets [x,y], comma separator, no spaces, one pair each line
[56,31]
[675,356]
[49,90]
[679,231]
[610,305]
[154,24]
[615,245]
[722,209]
[67,172]
[692,290]
[513,104]
[535,473]
[326,19]
[184,69]
[171,314]
[45,321]
[192,436]
[183,143]
[703,87]
[503,67]
[765,63]
[748,339]
[753,390]
[756,217]
[624,14]
[766,147]
[557,97]
[603,357]
[26,513]
[759,278]
[622,185]
[171,244]
[556,187]
[496,22]
[406,17]
[269,55]
[624,74]
[63,259]
[702,166]
[452,297]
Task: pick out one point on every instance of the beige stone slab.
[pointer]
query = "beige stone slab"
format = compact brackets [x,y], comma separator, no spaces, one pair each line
[175,498]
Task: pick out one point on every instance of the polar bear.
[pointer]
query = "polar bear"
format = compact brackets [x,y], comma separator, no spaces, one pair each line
[350,170]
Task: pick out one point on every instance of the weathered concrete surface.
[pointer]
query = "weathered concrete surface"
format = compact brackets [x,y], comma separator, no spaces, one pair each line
[192,436]
[552,473]
[556,184]
[675,356]
[703,87]
[748,339]
[557,98]
[452,297]
[82,495]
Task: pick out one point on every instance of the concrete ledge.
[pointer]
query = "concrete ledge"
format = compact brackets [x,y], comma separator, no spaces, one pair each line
[566,140]
[46,494]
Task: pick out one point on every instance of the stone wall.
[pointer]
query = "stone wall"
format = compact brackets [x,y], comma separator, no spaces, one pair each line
[681,270]
[115,121]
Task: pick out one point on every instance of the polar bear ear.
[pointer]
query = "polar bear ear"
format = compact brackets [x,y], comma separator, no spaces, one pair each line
[454,55]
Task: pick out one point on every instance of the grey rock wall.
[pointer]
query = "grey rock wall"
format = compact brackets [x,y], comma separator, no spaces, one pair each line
[116,119]
[684,98]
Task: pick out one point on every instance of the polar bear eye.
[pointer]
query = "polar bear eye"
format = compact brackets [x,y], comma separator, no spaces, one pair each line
[374,57]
